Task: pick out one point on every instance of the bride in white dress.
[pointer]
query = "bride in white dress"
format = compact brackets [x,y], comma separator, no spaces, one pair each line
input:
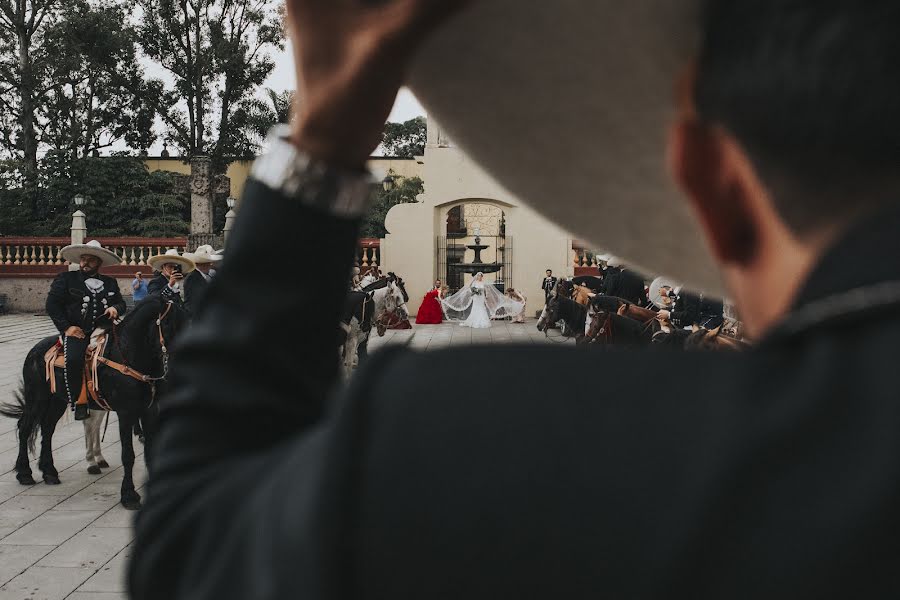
[476,304]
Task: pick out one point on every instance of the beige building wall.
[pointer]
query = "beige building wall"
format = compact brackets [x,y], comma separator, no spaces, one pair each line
[451,179]
[239,170]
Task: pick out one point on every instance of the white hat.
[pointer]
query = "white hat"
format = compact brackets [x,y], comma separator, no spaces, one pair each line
[172,257]
[74,252]
[568,104]
[203,255]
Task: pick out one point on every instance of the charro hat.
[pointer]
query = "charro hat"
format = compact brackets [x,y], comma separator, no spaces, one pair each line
[568,104]
[74,252]
[203,255]
[172,256]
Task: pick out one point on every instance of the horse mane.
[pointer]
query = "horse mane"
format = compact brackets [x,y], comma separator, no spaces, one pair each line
[152,305]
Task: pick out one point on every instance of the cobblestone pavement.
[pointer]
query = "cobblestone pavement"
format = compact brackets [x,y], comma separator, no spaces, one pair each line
[72,540]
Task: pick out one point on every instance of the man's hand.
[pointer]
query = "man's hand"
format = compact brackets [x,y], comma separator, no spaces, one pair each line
[663,315]
[75,332]
[351,58]
[112,313]
[175,278]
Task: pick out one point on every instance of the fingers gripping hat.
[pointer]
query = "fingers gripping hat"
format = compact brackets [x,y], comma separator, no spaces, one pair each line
[568,104]
[74,252]
[171,256]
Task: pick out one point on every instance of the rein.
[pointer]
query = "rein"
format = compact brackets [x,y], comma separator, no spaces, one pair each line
[125,369]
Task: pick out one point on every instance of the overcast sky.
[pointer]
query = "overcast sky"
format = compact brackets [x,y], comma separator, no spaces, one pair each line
[282,78]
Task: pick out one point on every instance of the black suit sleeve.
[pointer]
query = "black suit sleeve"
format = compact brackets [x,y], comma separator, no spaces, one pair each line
[56,302]
[686,311]
[116,300]
[250,378]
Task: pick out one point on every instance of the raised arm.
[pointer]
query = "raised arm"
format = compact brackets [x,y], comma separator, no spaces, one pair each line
[237,475]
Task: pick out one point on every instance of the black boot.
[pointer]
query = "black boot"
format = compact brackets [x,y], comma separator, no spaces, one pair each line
[81,412]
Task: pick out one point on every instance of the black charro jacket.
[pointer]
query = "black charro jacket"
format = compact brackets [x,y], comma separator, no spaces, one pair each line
[71,303]
[769,474]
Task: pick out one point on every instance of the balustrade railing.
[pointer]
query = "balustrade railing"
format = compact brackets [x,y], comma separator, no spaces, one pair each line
[43,252]
[368,254]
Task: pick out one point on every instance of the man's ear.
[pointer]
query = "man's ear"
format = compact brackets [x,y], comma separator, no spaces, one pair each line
[702,161]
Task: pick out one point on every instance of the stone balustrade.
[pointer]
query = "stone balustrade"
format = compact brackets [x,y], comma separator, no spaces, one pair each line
[40,255]
[368,254]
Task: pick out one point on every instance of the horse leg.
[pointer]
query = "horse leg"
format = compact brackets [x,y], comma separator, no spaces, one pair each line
[48,426]
[92,441]
[130,498]
[150,419]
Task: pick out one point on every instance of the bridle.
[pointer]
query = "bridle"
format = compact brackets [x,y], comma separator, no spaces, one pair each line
[125,369]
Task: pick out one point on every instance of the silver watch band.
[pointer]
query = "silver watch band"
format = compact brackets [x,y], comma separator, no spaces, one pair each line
[285,169]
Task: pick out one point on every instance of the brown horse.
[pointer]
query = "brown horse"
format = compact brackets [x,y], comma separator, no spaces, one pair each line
[608,328]
[582,295]
[713,339]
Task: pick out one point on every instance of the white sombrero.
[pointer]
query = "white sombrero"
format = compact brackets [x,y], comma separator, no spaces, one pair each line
[203,255]
[572,100]
[74,252]
[171,256]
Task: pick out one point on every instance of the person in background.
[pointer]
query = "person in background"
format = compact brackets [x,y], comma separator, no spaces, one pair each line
[139,287]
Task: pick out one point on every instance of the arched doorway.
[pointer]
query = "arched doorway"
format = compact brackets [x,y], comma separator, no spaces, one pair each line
[474,239]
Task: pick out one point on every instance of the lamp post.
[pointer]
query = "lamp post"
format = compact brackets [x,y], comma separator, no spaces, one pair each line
[79,226]
[388,183]
[229,218]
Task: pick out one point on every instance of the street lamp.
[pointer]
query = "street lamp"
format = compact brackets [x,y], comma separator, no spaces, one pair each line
[388,183]
[230,200]
[79,226]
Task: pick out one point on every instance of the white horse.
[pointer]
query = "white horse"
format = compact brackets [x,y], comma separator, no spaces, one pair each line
[385,300]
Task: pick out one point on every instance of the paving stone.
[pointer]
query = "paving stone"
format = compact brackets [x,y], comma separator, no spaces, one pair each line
[90,548]
[15,559]
[52,528]
[96,496]
[44,583]
[117,516]
[21,509]
[111,578]
[97,596]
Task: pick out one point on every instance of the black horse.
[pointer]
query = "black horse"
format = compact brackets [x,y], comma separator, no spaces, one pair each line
[561,309]
[611,329]
[141,343]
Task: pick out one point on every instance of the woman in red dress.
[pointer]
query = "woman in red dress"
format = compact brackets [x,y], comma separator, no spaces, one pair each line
[431,313]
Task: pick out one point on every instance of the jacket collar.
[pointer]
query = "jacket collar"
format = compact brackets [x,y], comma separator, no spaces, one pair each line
[857,275]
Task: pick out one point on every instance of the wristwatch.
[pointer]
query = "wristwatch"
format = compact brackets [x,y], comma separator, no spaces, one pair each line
[285,169]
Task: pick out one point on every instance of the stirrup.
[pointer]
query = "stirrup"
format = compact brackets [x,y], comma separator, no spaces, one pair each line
[82,412]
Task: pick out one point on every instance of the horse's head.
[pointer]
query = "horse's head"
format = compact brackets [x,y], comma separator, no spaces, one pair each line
[550,314]
[598,331]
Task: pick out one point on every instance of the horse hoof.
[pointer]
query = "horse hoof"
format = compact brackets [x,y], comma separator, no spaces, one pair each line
[52,479]
[94,470]
[26,479]
[103,464]
[131,504]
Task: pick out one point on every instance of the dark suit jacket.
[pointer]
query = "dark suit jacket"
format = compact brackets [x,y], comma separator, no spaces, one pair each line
[769,474]
[195,286]
[71,303]
[686,311]
[626,284]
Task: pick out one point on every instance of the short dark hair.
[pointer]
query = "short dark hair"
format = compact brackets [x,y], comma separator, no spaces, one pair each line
[811,90]
[549,270]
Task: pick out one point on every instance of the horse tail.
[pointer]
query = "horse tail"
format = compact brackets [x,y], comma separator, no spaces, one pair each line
[26,413]
[31,401]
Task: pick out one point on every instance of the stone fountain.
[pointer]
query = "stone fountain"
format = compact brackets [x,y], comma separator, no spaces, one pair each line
[476,266]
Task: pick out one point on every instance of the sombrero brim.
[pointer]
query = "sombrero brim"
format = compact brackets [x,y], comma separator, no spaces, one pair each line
[203,259]
[74,252]
[187,265]
[567,104]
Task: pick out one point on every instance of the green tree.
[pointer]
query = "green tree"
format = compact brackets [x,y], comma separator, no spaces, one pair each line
[405,140]
[405,191]
[216,50]
[98,95]
[23,66]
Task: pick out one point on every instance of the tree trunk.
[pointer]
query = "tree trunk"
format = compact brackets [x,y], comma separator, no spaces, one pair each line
[26,94]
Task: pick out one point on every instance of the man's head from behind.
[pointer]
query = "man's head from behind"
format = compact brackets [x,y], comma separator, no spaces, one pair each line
[788,131]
